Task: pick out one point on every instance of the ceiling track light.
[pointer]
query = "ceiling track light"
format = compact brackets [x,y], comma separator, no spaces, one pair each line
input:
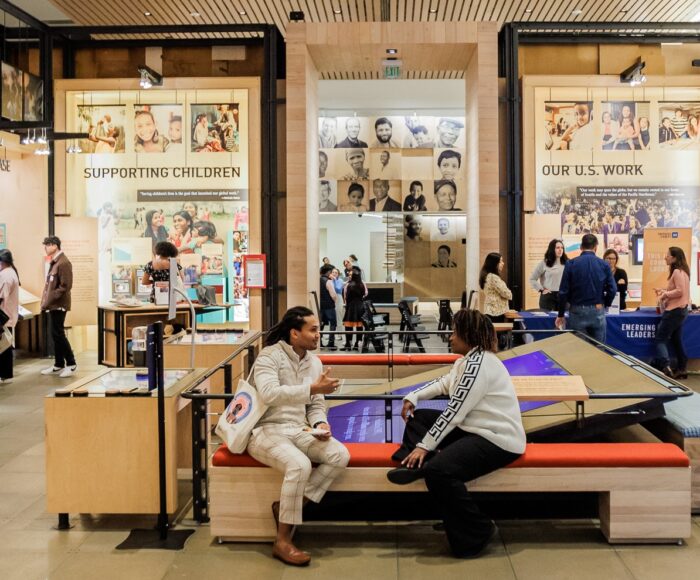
[148,77]
[633,75]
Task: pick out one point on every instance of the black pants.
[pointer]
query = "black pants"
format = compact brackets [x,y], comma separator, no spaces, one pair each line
[328,316]
[461,457]
[62,351]
[670,331]
[549,301]
[6,364]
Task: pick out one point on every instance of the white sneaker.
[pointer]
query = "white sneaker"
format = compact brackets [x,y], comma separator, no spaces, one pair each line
[51,370]
[68,372]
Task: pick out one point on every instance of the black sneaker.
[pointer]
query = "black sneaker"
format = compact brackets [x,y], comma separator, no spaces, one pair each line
[331,347]
[404,475]
[479,550]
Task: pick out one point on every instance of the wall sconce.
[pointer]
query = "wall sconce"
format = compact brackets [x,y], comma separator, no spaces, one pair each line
[149,77]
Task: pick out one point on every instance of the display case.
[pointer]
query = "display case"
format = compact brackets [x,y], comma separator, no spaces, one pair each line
[102,445]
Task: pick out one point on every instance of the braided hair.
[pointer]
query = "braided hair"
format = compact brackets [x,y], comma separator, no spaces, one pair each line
[475,329]
[293,319]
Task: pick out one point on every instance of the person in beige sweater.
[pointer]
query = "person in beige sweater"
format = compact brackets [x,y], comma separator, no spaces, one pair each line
[675,299]
[294,431]
[496,293]
[9,304]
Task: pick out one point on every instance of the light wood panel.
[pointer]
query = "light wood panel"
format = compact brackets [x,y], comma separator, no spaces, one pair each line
[132,12]
[332,45]
[636,504]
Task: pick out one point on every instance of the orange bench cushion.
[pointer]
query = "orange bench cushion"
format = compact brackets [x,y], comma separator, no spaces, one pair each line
[383,359]
[536,455]
[361,455]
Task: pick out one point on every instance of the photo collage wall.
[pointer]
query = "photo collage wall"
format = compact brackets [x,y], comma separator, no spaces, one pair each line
[167,171]
[411,164]
[614,168]
[22,94]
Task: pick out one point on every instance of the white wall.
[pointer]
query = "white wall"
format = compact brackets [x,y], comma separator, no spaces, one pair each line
[348,234]
[426,97]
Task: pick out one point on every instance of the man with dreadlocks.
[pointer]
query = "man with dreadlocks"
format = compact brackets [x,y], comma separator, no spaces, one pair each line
[480,431]
[294,430]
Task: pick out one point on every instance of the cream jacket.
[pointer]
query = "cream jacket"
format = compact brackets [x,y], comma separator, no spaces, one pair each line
[283,381]
[496,296]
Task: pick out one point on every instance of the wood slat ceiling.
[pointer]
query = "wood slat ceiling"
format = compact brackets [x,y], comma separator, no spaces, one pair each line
[189,12]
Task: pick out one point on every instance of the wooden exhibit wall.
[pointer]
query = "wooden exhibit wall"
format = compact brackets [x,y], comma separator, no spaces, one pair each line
[63,203]
[314,50]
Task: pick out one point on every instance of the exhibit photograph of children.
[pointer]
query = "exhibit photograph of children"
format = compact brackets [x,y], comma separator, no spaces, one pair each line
[385,163]
[240,291]
[104,125]
[447,228]
[448,164]
[419,132]
[11,92]
[679,125]
[157,128]
[415,194]
[353,196]
[33,97]
[568,126]
[624,126]
[215,128]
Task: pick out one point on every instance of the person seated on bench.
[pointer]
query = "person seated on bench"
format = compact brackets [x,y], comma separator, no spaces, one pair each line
[479,432]
[291,382]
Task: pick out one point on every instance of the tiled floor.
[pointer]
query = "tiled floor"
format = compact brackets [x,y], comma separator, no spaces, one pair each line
[30,548]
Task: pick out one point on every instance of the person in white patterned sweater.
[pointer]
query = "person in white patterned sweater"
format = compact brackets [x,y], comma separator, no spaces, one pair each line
[480,431]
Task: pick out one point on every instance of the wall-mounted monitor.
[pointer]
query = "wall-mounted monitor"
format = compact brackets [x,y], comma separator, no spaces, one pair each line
[637,243]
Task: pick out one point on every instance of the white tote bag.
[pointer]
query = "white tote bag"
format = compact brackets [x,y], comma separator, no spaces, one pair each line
[240,417]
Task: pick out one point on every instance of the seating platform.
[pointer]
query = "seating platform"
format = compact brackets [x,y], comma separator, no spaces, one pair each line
[644,487]
[681,426]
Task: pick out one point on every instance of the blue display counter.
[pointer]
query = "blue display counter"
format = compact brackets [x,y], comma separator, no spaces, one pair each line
[631,332]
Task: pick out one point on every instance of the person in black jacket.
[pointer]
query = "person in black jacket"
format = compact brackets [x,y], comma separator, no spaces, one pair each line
[328,300]
[619,275]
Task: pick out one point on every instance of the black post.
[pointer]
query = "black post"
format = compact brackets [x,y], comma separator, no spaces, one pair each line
[199,460]
[154,360]
[63,522]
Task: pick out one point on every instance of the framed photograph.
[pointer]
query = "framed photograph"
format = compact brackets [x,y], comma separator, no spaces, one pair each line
[215,128]
[157,128]
[33,97]
[104,125]
[254,270]
[121,287]
[568,126]
[12,83]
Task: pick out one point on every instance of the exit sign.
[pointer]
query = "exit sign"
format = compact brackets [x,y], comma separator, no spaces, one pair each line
[392,72]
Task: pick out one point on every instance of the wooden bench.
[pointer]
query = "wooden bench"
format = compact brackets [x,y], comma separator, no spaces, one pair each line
[681,426]
[644,487]
[376,366]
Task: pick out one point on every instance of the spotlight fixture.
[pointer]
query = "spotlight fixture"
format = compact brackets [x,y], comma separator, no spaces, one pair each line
[25,139]
[149,77]
[42,138]
[633,75]
[576,12]
[337,11]
[296,16]
[195,14]
[147,13]
[391,51]
[242,12]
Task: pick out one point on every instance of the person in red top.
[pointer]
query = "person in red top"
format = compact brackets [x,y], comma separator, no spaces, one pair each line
[674,299]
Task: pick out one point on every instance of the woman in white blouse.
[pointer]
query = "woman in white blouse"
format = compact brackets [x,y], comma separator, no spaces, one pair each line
[546,276]
[496,293]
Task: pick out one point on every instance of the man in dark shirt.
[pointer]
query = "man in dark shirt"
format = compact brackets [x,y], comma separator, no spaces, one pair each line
[587,285]
[352,141]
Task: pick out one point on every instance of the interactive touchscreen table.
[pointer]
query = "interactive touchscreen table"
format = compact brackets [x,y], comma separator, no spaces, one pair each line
[622,391]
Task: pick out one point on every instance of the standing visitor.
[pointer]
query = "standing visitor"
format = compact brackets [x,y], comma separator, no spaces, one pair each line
[674,299]
[354,293]
[9,304]
[496,293]
[55,301]
[619,275]
[546,277]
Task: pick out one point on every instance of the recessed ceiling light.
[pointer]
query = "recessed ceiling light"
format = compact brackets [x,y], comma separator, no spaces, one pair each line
[195,14]
[337,10]
[241,12]
[147,13]
[576,12]
[433,10]
[391,51]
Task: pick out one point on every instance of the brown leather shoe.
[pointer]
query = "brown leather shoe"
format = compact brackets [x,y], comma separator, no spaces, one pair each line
[276,513]
[290,554]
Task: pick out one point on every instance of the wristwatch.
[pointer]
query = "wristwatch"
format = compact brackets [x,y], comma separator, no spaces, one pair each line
[317,423]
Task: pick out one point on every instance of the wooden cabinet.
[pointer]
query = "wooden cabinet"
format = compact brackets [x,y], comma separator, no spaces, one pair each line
[102,452]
